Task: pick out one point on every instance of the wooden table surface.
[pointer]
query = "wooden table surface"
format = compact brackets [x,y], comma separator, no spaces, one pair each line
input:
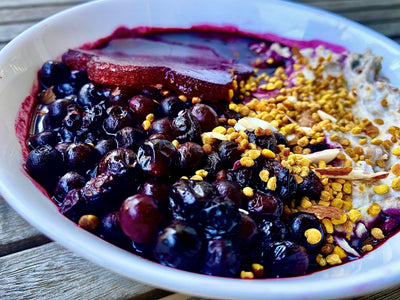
[34,267]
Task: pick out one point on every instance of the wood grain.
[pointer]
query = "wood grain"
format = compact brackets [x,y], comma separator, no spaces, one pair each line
[51,272]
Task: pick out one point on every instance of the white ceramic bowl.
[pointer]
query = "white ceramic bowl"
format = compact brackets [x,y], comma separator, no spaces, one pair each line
[20,60]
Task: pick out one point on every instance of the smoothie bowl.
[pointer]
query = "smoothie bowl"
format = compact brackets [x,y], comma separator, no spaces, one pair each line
[216,154]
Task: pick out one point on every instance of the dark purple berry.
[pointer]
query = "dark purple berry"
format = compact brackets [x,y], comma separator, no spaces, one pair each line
[230,190]
[221,258]
[299,223]
[186,128]
[89,95]
[212,164]
[163,125]
[229,153]
[263,205]
[120,96]
[73,205]
[142,106]
[58,110]
[207,117]
[157,189]
[45,164]
[79,157]
[284,259]
[73,121]
[191,156]
[104,146]
[272,230]
[67,183]
[157,157]
[118,118]
[178,246]
[171,106]
[267,141]
[310,187]
[102,193]
[140,217]
[53,72]
[219,217]
[248,228]
[111,231]
[41,139]
[129,137]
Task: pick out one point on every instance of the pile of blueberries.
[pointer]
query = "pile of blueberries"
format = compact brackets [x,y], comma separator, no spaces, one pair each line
[93,156]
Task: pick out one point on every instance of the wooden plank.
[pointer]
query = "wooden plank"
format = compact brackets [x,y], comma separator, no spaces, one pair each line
[51,272]
[15,233]
[373,16]
[343,5]
[18,15]
[21,3]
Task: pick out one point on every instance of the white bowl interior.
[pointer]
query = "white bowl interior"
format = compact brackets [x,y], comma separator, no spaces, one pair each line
[20,60]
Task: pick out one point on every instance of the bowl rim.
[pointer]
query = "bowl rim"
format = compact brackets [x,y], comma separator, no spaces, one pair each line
[98,251]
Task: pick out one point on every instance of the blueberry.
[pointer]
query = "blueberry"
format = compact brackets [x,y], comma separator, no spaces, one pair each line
[229,153]
[104,146]
[273,230]
[64,89]
[299,223]
[230,190]
[120,96]
[186,128]
[267,141]
[73,205]
[58,110]
[248,228]
[219,217]
[212,164]
[94,117]
[53,72]
[111,231]
[68,182]
[45,164]
[284,259]
[178,246]
[221,258]
[191,156]
[242,176]
[73,121]
[89,95]
[78,79]
[118,118]
[286,184]
[207,117]
[142,106]
[140,217]
[187,197]
[162,125]
[171,106]
[263,205]
[122,164]
[151,92]
[280,139]
[41,139]
[129,137]
[157,157]
[310,187]
[157,189]
[102,193]
[79,157]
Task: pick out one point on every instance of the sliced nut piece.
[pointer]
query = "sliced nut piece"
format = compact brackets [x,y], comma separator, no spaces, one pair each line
[215,135]
[349,174]
[321,211]
[324,116]
[252,124]
[324,155]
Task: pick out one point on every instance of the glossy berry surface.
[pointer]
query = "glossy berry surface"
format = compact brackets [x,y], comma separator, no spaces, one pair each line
[140,217]
[179,246]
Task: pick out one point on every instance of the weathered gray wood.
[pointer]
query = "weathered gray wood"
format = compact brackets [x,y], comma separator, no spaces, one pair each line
[31,14]
[343,5]
[9,31]
[21,3]
[51,272]
[15,233]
